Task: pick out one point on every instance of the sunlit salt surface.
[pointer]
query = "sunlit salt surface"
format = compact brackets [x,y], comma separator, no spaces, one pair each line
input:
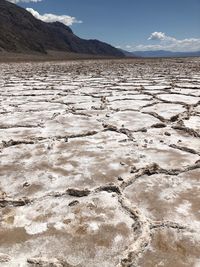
[100,163]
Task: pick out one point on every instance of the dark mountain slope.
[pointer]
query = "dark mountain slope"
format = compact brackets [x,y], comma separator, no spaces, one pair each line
[21,32]
[128,54]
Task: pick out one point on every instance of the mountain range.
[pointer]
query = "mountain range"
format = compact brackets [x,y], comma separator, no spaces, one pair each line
[21,32]
[163,53]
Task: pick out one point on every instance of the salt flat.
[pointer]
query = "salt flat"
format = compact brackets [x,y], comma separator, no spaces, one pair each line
[100,163]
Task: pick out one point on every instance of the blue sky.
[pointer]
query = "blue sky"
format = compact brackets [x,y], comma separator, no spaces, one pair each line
[131,24]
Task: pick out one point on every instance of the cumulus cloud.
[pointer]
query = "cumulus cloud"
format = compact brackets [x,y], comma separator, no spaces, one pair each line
[67,20]
[157,36]
[161,41]
[25,1]
[161,36]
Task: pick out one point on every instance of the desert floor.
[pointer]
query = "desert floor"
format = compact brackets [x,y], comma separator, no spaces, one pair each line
[100,163]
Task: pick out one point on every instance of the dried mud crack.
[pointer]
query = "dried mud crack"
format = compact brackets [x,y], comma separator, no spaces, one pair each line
[100,163]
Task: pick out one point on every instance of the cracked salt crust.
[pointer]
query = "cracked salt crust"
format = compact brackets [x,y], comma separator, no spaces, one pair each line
[87,194]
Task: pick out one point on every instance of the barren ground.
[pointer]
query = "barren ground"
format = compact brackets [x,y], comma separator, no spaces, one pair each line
[100,163]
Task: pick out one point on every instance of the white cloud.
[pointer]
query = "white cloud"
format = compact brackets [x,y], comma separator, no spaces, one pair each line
[67,20]
[157,36]
[25,1]
[161,36]
[169,43]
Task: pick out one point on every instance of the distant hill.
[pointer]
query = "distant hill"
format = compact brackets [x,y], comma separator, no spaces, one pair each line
[163,53]
[128,54]
[21,32]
